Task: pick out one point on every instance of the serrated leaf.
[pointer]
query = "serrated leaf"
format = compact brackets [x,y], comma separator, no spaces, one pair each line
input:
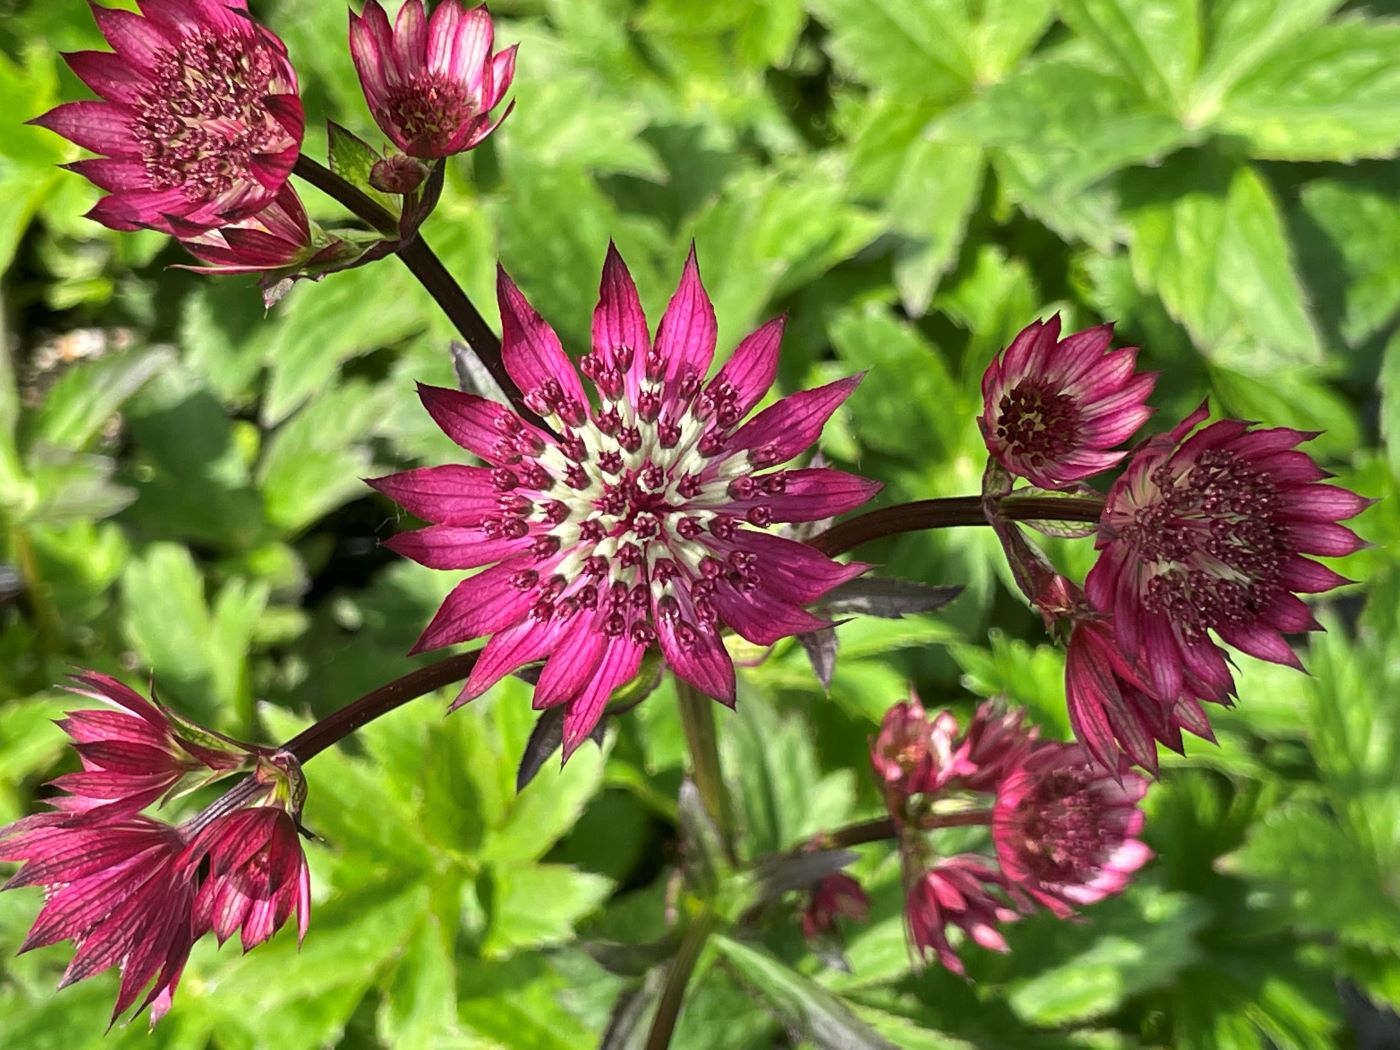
[1332,94]
[88,395]
[804,1007]
[352,158]
[929,209]
[1208,238]
[539,905]
[1155,43]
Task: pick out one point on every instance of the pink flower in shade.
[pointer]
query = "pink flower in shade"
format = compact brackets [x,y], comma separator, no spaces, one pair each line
[431,82]
[277,237]
[199,119]
[963,891]
[1053,408]
[838,896]
[913,755]
[641,522]
[1066,829]
[257,876]
[1207,531]
[118,890]
[136,753]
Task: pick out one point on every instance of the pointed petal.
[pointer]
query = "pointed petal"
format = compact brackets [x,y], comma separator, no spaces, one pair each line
[532,353]
[685,340]
[783,430]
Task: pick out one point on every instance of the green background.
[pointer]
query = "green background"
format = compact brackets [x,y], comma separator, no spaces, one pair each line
[911,181]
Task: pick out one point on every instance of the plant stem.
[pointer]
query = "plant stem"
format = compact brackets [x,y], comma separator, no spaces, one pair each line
[876,830]
[335,727]
[950,513]
[668,1010]
[702,740]
[427,267]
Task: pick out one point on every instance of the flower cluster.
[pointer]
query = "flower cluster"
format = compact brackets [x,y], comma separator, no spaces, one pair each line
[638,517]
[1063,829]
[1204,535]
[135,892]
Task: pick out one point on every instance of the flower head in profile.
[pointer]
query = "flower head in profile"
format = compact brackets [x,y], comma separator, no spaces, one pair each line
[431,83]
[1208,531]
[1053,409]
[1066,829]
[198,121]
[643,520]
[963,891]
[134,892]
[136,751]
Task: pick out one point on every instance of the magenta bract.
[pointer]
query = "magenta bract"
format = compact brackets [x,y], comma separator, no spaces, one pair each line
[198,121]
[274,238]
[257,876]
[1066,829]
[913,755]
[641,522]
[1208,531]
[838,896]
[962,891]
[431,83]
[1053,408]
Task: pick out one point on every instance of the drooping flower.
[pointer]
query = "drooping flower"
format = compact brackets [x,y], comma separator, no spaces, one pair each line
[838,896]
[199,119]
[963,891]
[1112,707]
[1054,408]
[136,754]
[1208,531]
[118,890]
[134,892]
[1066,829]
[431,83]
[641,522]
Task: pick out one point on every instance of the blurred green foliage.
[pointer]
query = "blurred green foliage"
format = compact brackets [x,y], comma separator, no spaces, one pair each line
[912,181]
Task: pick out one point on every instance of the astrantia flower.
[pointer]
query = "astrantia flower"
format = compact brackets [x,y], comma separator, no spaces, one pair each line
[963,891]
[118,890]
[838,896]
[642,521]
[1113,709]
[913,755]
[431,83]
[1066,829]
[199,119]
[136,754]
[1208,532]
[136,893]
[1053,408]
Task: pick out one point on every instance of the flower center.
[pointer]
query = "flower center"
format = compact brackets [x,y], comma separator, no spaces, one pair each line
[204,116]
[429,109]
[1063,827]
[638,506]
[1211,541]
[1036,423]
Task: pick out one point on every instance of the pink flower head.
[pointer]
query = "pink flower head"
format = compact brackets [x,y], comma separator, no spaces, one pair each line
[1053,408]
[962,891]
[1113,709]
[1208,532]
[136,754]
[136,893]
[642,521]
[257,876]
[431,82]
[1066,829]
[277,237]
[199,119]
[118,890]
[838,896]
[915,756]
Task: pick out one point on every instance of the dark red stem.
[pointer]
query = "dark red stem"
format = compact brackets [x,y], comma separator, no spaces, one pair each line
[949,513]
[336,727]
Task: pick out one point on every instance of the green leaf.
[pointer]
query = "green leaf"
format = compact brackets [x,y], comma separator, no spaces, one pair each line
[799,1002]
[1155,43]
[538,905]
[929,208]
[352,158]
[88,395]
[1291,398]
[1331,94]
[28,155]
[1390,403]
[1208,238]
